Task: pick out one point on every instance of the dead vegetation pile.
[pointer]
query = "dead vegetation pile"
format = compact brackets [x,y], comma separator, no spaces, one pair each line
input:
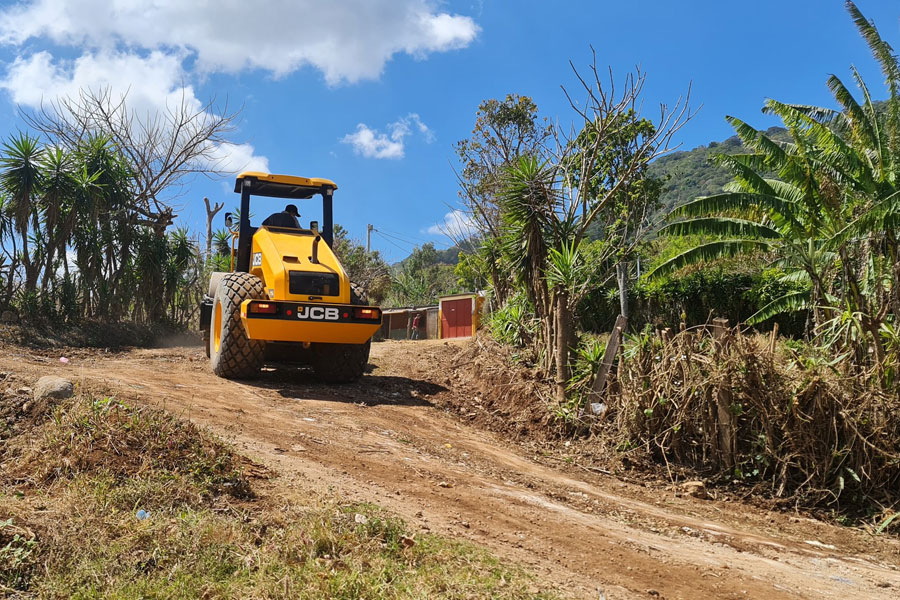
[745,413]
[16,406]
[743,409]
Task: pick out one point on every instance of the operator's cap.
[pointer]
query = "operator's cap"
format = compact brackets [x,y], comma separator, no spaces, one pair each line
[292,209]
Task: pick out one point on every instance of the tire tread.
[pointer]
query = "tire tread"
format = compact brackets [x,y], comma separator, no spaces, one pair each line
[239,357]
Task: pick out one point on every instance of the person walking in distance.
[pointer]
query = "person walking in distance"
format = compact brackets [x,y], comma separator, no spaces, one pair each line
[415,326]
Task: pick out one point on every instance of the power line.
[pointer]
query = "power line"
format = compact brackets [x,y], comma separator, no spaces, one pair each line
[399,239]
[391,242]
[409,240]
[414,238]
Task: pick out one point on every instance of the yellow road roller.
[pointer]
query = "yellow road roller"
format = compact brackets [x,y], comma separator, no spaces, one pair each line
[287,298]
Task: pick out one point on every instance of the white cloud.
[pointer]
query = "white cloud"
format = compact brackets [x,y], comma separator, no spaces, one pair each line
[150,49]
[235,158]
[414,119]
[372,143]
[150,81]
[347,40]
[457,225]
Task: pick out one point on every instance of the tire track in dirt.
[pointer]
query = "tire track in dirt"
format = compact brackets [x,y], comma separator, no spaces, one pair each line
[382,441]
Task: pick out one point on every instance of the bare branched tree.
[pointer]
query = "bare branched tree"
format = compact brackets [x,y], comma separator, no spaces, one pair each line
[163,149]
[603,162]
[211,212]
[602,157]
[602,165]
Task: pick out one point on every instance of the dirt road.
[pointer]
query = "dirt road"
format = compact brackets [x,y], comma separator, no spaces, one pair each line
[388,440]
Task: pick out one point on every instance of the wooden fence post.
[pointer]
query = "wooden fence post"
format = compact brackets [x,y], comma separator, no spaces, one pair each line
[724,417]
[609,357]
[720,328]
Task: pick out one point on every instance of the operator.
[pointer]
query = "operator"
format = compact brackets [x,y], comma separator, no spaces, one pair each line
[289,218]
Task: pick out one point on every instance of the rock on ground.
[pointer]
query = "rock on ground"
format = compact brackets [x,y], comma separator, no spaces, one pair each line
[51,386]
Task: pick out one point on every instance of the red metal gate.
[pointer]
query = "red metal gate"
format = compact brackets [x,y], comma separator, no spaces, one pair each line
[456,318]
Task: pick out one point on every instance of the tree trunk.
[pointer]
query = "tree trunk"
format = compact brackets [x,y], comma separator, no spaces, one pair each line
[622,279]
[819,296]
[31,268]
[11,279]
[210,215]
[48,267]
[547,343]
[563,343]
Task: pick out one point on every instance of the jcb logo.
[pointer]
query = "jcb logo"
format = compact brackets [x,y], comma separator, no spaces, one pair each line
[318,313]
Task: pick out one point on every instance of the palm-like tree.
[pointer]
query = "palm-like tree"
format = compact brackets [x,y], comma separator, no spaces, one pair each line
[181,271]
[59,186]
[541,250]
[21,180]
[7,270]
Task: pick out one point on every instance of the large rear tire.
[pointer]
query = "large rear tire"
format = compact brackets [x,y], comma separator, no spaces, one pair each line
[342,363]
[233,355]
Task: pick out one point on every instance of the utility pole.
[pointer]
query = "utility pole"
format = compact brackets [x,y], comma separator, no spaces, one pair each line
[369,230]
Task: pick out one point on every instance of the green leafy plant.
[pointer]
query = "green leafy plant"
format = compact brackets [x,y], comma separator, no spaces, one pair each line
[513,323]
[15,557]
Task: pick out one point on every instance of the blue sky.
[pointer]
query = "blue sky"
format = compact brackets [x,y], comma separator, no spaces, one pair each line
[373,93]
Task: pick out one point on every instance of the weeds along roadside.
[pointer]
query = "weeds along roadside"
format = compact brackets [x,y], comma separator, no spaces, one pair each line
[751,415]
[782,418]
[75,478]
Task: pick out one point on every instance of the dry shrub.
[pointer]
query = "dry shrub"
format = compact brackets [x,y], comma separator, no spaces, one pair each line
[103,435]
[742,408]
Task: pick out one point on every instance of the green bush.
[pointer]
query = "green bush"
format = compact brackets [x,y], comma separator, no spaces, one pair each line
[514,323]
[695,297]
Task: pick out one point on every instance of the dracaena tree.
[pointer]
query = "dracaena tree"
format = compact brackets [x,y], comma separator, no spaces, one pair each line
[67,220]
[21,180]
[549,204]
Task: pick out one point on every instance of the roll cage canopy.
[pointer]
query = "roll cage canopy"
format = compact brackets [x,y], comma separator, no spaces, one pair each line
[282,186]
[253,183]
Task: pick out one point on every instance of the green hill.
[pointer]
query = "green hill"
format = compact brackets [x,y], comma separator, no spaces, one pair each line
[691,173]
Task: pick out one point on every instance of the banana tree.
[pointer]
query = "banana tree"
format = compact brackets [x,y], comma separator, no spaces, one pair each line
[823,205]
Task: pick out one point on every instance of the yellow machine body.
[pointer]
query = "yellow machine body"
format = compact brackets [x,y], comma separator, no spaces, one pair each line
[286,297]
[284,330]
[275,254]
